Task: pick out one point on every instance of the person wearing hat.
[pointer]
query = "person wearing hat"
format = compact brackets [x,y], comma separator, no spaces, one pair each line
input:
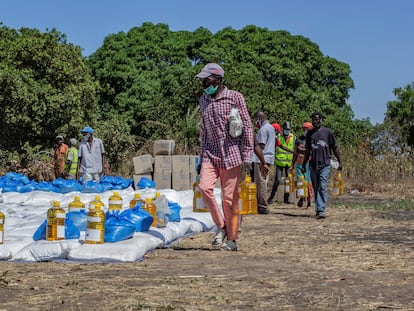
[71,163]
[59,153]
[222,154]
[90,156]
[283,160]
[298,156]
[320,142]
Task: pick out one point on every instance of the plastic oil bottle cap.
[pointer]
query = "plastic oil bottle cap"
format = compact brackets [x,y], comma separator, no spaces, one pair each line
[56,204]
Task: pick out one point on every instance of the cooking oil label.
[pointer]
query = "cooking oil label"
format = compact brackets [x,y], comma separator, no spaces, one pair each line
[1,236]
[60,215]
[200,203]
[115,202]
[93,235]
[1,221]
[301,192]
[240,204]
[287,188]
[197,189]
[60,231]
[94,219]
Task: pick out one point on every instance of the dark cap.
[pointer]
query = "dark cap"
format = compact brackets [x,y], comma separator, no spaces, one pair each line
[317,115]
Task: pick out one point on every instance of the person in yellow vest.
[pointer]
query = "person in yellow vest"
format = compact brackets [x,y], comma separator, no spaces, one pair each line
[71,161]
[283,159]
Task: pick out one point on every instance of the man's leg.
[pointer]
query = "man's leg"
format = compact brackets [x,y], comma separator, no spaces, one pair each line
[323,190]
[230,180]
[261,189]
[278,177]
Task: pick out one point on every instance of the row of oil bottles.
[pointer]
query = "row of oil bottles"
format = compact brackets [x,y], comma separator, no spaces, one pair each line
[56,215]
[247,192]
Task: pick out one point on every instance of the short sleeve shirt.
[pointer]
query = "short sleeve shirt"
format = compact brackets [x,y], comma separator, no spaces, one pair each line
[320,142]
[266,136]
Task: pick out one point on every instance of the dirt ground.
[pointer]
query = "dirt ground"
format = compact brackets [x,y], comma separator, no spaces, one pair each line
[355,259]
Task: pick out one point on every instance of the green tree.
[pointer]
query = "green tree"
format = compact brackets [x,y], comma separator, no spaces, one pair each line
[45,88]
[400,114]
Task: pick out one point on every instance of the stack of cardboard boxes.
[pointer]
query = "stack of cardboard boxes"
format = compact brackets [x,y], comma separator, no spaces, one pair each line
[169,171]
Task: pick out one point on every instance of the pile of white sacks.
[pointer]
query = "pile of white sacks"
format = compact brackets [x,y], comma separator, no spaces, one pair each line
[25,212]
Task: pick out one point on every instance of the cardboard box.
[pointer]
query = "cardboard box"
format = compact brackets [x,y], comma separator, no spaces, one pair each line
[181,181]
[164,147]
[163,163]
[143,164]
[181,164]
[162,180]
[138,177]
[194,160]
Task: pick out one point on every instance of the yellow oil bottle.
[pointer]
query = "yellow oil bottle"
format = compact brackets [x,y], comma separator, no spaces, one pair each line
[338,186]
[198,202]
[286,184]
[97,202]
[291,178]
[306,186]
[249,199]
[95,227]
[55,228]
[2,219]
[242,196]
[137,198]
[115,202]
[300,187]
[151,208]
[76,204]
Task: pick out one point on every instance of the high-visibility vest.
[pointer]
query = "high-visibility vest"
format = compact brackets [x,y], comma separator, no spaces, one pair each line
[282,157]
[72,169]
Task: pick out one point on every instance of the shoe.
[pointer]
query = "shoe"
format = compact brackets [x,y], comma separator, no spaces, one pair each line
[229,246]
[309,204]
[300,202]
[287,202]
[320,216]
[263,211]
[219,238]
[269,201]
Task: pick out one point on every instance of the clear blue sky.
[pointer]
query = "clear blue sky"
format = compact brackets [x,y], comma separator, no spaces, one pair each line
[375,37]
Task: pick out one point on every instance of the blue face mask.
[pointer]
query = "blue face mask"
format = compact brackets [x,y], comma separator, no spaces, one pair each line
[86,138]
[211,90]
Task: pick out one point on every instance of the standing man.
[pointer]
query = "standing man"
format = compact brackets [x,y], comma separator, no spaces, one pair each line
[59,154]
[283,159]
[71,163]
[91,156]
[222,155]
[320,141]
[264,149]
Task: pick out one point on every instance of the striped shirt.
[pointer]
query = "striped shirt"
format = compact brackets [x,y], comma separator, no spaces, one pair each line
[217,146]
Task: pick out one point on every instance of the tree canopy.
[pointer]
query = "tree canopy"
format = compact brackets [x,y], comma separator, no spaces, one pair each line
[147,75]
[45,87]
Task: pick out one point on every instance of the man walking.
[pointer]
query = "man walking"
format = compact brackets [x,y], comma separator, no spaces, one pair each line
[222,155]
[320,141]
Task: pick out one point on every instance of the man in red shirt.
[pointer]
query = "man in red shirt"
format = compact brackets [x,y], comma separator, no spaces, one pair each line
[222,155]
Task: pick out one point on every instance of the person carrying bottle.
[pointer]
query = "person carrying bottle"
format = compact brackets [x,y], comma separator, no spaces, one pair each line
[320,142]
[297,160]
[222,154]
[283,160]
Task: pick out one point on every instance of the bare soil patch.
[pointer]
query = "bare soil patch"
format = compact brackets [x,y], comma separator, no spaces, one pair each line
[355,259]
